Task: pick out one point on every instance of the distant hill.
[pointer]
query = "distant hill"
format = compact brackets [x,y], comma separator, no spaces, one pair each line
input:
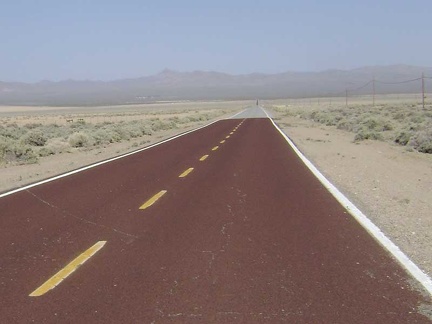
[202,85]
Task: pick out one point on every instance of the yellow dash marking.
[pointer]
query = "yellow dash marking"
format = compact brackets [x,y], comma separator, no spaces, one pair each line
[55,280]
[215,148]
[227,137]
[184,174]
[231,133]
[153,199]
[223,141]
[204,157]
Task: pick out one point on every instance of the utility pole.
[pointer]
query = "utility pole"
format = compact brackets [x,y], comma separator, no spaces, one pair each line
[373,89]
[423,90]
[346,98]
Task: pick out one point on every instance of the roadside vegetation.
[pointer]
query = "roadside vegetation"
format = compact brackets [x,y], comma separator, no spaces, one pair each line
[25,144]
[406,125]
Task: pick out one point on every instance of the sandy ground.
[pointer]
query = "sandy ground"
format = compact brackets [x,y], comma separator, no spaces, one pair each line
[389,184]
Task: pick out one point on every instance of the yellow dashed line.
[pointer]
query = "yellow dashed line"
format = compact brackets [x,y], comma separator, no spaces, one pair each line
[203,157]
[153,199]
[231,133]
[227,137]
[55,280]
[215,148]
[184,174]
[223,141]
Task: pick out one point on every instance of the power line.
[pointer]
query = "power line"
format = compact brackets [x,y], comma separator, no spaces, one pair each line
[400,82]
[374,82]
[361,87]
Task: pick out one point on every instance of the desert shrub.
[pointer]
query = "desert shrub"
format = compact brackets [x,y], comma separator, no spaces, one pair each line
[32,125]
[12,131]
[104,136]
[78,125]
[191,119]
[365,134]
[158,125]
[400,123]
[414,127]
[4,147]
[57,145]
[123,133]
[146,130]
[400,116]
[323,117]
[347,124]
[24,154]
[387,126]
[45,151]
[175,119]
[422,141]
[79,139]
[35,138]
[15,152]
[417,119]
[170,125]
[403,137]
[134,130]
[370,124]
[54,131]
[377,124]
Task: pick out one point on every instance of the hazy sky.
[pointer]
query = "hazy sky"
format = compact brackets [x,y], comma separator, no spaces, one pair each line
[106,39]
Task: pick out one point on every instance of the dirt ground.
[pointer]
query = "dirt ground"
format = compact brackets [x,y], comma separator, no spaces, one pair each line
[391,185]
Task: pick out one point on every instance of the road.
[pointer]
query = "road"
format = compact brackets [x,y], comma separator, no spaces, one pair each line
[222,225]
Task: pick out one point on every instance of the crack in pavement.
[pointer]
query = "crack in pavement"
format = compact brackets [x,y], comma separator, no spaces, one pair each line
[84,220]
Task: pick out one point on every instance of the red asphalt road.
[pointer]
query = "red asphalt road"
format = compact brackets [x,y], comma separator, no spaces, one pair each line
[250,236]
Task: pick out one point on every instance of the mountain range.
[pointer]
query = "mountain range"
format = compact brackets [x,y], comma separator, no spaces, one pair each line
[171,85]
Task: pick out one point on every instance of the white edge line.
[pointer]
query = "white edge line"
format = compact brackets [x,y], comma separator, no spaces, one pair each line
[364,221]
[108,160]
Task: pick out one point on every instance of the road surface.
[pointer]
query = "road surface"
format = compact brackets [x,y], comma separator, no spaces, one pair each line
[221,225]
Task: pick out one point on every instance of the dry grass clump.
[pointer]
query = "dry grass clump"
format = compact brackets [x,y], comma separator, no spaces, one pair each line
[79,139]
[405,125]
[26,143]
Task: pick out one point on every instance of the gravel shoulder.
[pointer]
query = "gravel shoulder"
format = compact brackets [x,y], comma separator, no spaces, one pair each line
[389,184]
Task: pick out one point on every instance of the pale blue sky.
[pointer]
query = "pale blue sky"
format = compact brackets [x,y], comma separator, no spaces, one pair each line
[106,39]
